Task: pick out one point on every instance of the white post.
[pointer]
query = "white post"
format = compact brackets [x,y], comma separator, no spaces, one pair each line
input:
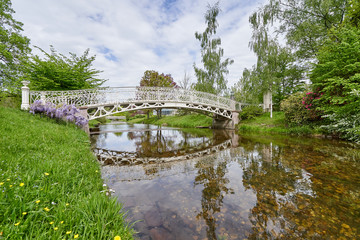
[25,94]
[271,109]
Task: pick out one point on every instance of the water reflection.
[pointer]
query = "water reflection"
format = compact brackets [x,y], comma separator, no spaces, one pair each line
[146,144]
[266,188]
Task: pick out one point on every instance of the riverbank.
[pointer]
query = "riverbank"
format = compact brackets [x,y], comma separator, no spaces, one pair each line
[184,121]
[51,183]
[261,124]
[275,125]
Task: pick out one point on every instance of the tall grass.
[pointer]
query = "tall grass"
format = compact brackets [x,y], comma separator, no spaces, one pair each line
[50,183]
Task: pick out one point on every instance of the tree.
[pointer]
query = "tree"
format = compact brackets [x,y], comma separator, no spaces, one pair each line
[152,78]
[13,48]
[211,79]
[336,77]
[274,71]
[303,23]
[185,83]
[58,72]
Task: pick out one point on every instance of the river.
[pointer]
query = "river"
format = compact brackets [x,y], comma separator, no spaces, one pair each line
[203,184]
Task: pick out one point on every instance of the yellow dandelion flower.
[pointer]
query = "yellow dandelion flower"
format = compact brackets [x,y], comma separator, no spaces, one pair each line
[24,213]
[68,232]
[67,204]
[96,171]
[76,236]
[21,184]
[16,224]
[117,238]
[51,223]
[61,222]
[8,179]
[10,186]
[1,183]
[46,174]
[37,201]
[46,209]
[56,228]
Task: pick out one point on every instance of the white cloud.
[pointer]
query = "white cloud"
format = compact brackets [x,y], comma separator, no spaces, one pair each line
[129,37]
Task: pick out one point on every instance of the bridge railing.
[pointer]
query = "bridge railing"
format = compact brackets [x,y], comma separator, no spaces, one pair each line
[111,95]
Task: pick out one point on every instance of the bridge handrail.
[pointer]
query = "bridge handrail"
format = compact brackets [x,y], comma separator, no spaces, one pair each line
[111,95]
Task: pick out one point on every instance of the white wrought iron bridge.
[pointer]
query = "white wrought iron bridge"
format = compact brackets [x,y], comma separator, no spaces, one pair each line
[101,102]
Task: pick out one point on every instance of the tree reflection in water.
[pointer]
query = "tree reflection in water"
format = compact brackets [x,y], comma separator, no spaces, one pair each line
[298,195]
[212,177]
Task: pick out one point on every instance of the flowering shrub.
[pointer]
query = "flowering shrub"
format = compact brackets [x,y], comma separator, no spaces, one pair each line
[310,104]
[64,112]
[294,109]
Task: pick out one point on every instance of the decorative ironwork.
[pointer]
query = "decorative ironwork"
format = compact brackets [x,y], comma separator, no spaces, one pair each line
[107,101]
[110,157]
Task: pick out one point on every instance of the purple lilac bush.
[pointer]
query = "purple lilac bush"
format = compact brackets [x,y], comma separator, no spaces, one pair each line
[64,112]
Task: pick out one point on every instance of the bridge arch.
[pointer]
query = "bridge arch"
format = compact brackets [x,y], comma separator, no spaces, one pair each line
[100,102]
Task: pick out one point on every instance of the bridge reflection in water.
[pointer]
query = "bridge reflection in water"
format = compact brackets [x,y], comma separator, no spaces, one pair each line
[163,145]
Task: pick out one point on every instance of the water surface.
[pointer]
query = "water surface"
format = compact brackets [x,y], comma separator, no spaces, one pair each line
[262,187]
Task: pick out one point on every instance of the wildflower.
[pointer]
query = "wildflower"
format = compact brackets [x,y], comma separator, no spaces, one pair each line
[117,238]
[24,213]
[61,222]
[16,224]
[21,184]
[46,174]
[46,209]
[8,179]
[96,171]
[67,204]
[68,232]
[56,228]
[37,201]
[1,183]
[10,186]
[76,236]
[51,223]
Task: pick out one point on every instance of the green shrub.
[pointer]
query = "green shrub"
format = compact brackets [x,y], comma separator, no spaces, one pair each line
[250,112]
[295,111]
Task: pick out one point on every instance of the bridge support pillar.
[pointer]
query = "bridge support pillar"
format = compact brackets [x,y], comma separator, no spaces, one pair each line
[224,123]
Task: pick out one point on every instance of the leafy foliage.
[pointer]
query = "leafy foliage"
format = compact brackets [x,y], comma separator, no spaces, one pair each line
[250,112]
[152,78]
[211,79]
[303,23]
[13,48]
[337,78]
[58,72]
[295,111]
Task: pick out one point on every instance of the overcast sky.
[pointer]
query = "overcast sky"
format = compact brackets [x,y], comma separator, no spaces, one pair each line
[129,37]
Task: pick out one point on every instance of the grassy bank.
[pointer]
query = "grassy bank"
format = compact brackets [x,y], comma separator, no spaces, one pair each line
[50,183]
[276,124]
[186,121]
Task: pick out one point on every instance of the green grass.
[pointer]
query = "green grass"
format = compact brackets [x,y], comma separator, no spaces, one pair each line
[50,183]
[185,121]
[276,124]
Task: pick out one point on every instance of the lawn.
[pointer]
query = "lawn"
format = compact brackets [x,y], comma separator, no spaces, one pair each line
[50,183]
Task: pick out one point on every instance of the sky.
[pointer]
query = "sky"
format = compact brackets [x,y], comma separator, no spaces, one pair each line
[129,37]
